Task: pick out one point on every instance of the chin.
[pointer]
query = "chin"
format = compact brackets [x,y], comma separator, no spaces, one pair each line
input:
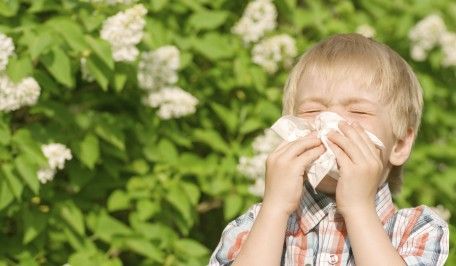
[327,185]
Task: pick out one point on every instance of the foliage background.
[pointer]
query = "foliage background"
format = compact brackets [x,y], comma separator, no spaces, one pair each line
[146,191]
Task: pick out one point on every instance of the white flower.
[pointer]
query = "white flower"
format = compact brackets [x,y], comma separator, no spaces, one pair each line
[425,35]
[158,68]
[124,31]
[255,167]
[274,50]
[366,30]
[258,18]
[418,53]
[448,43]
[45,175]
[14,96]
[173,102]
[56,153]
[266,142]
[85,75]
[6,49]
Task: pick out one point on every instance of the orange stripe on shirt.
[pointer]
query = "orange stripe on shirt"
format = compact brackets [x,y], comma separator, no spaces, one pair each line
[412,221]
[234,250]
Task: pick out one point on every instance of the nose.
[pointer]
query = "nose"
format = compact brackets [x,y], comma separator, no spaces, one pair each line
[341,111]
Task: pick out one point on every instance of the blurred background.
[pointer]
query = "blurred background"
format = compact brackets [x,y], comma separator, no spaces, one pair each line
[132,132]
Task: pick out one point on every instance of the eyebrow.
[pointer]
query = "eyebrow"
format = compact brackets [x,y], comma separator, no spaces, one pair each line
[346,101]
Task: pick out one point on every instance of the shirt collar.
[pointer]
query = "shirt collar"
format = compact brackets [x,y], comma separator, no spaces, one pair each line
[315,205]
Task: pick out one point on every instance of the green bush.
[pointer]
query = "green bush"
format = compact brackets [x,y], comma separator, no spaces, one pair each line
[141,188]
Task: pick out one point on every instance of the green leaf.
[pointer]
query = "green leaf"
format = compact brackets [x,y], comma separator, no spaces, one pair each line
[90,150]
[9,8]
[232,206]
[190,247]
[179,199]
[72,215]
[99,71]
[6,196]
[145,248]
[23,140]
[19,68]
[228,117]
[70,31]
[250,125]
[106,227]
[12,181]
[207,19]
[164,151]
[118,200]
[146,209]
[5,133]
[102,49]
[58,64]
[111,134]
[34,223]
[41,44]
[192,192]
[27,170]
[215,46]
[211,138]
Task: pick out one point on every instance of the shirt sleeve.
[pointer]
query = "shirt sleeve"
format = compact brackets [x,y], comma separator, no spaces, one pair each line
[233,236]
[422,236]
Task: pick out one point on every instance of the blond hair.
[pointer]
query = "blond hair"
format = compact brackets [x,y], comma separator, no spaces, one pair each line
[379,68]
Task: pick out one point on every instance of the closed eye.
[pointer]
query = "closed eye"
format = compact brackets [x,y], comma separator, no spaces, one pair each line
[359,112]
[312,111]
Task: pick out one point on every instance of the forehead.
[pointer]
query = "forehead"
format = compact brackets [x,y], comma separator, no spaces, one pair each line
[346,85]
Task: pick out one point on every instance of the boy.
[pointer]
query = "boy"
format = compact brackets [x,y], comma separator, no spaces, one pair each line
[351,220]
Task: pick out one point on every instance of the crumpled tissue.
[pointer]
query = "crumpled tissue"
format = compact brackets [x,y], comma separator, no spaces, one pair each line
[290,128]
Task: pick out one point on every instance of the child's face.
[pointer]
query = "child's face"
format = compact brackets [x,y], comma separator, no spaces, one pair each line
[351,101]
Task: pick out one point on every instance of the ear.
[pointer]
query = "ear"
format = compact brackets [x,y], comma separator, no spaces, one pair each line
[402,148]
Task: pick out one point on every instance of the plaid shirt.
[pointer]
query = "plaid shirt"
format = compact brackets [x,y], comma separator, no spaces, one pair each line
[316,233]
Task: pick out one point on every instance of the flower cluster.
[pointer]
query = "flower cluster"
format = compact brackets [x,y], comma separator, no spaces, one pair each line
[158,68]
[157,74]
[258,18]
[13,96]
[366,30]
[429,33]
[255,167]
[6,49]
[272,51]
[173,102]
[56,155]
[124,31]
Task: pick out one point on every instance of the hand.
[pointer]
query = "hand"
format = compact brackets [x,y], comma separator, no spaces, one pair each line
[285,172]
[360,167]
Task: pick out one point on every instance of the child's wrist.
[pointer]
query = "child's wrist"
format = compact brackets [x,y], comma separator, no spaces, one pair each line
[275,210]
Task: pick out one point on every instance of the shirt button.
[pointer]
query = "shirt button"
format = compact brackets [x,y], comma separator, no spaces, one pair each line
[333,259]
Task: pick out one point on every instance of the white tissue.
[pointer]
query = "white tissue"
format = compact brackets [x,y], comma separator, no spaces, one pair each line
[290,128]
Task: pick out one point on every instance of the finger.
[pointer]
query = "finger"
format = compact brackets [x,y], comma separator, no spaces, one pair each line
[351,133]
[346,145]
[285,145]
[342,158]
[367,141]
[311,155]
[288,148]
[299,146]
